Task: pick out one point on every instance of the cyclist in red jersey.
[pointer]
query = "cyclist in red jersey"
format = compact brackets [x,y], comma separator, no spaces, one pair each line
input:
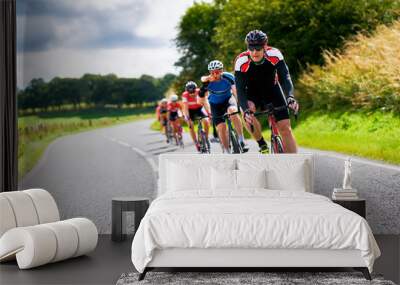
[162,115]
[193,109]
[173,116]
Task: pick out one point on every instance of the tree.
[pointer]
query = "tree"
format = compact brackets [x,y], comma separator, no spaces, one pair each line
[301,29]
[195,42]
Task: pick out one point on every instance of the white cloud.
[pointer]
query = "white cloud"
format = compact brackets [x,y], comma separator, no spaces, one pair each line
[163,19]
[125,37]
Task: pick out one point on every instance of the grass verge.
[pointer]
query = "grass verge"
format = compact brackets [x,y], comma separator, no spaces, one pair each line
[374,135]
[36,132]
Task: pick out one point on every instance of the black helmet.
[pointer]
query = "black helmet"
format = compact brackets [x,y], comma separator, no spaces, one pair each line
[191,86]
[256,38]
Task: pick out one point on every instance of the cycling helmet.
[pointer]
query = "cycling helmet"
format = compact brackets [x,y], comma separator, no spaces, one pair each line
[215,64]
[190,86]
[164,100]
[256,38]
[174,98]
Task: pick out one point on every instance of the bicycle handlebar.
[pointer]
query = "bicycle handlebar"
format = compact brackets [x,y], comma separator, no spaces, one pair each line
[227,115]
[270,109]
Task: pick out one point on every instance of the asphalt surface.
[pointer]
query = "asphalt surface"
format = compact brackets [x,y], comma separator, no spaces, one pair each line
[84,171]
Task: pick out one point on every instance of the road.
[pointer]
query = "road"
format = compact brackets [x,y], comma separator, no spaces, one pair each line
[84,171]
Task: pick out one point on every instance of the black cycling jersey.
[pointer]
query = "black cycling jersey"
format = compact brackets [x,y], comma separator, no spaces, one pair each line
[263,82]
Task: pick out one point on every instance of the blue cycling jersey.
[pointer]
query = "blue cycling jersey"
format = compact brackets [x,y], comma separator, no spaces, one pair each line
[220,91]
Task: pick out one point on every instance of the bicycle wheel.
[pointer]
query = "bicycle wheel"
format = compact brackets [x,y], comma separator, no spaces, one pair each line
[205,143]
[200,139]
[181,144]
[277,145]
[234,142]
[169,133]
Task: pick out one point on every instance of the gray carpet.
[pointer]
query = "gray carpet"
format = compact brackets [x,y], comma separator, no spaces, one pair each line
[242,278]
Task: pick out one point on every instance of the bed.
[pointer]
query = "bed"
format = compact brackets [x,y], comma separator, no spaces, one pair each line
[247,211]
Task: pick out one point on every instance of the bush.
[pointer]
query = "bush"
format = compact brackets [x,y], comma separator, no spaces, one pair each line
[365,75]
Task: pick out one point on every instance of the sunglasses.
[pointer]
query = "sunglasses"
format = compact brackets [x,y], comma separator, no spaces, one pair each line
[216,71]
[253,48]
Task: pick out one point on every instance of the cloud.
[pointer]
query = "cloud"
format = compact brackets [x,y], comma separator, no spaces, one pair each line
[73,37]
[47,24]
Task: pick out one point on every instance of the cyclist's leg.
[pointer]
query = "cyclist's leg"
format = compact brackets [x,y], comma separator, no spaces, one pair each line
[174,123]
[206,122]
[256,133]
[237,123]
[217,111]
[286,133]
[283,122]
[192,116]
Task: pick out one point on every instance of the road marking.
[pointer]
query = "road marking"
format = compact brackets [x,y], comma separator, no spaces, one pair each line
[148,157]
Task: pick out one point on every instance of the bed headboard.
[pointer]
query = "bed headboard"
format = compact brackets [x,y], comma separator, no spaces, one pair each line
[164,159]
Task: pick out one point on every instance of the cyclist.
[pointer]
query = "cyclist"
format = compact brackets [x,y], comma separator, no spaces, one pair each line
[173,116]
[192,109]
[162,115]
[262,77]
[220,86]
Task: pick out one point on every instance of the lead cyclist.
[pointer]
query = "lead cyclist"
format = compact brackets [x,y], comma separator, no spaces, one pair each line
[262,77]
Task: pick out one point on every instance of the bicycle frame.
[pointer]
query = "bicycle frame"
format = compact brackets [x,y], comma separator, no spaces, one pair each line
[201,136]
[232,135]
[277,145]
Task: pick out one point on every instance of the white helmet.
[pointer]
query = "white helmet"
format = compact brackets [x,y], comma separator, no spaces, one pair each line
[215,64]
[164,100]
[174,98]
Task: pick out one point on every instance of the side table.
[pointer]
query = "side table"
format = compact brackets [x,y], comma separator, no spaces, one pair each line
[357,206]
[139,205]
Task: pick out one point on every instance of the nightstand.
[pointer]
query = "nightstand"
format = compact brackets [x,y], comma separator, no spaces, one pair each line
[357,206]
[139,205]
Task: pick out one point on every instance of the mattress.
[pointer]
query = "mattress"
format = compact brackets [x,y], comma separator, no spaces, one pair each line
[251,219]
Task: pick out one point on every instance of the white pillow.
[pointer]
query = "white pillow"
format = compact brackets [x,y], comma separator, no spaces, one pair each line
[293,178]
[184,174]
[283,172]
[223,179]
[186,177]
[251,178]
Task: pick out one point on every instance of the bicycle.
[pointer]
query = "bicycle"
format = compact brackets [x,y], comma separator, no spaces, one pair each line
[233,138]
[168,131]
[202,139]
[179,137]
[277,145]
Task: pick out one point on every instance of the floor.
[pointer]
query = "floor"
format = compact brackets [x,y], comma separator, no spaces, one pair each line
[111,259]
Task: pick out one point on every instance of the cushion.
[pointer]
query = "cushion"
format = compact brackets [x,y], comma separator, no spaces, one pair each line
[7,215]
[251,178]
[23,208]
[223,179]
[283,172]
[193,175]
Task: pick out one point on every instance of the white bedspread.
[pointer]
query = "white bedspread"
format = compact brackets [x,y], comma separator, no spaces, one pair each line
[250,219]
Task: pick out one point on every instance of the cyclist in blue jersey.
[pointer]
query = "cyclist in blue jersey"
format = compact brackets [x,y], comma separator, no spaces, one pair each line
[221,94]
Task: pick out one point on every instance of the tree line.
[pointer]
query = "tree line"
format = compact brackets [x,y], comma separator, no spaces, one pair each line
[302,30]
[93,90]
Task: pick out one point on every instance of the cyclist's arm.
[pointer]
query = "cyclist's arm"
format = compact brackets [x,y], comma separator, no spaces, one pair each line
[158,113]
[284,78]
[234,92]
[186,109]
[240,83]
[204,102]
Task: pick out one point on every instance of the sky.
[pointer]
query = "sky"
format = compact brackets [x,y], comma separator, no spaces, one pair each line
[68,38]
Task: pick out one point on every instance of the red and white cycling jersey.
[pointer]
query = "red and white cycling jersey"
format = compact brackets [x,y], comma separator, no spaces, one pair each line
[191,99]
[174,107]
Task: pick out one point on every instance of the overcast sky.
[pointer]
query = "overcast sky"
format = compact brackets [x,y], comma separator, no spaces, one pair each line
[68,38]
